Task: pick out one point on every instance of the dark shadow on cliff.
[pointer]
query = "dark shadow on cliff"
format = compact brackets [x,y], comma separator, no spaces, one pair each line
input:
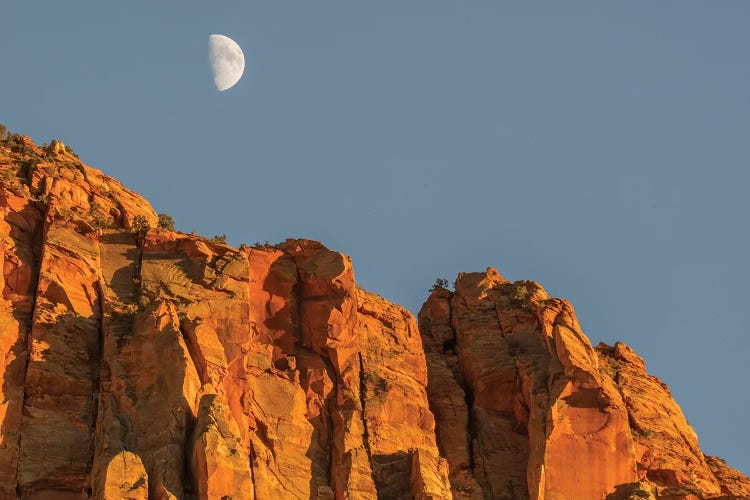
[629,490]
[65,389]
[392,474]
[123,279]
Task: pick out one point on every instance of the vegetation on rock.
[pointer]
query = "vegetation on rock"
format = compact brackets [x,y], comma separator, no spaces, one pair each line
[166,222]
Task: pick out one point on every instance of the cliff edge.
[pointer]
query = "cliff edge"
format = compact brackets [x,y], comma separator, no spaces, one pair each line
[139,362]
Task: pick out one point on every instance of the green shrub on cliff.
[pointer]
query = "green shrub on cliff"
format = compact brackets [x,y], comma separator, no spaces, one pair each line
[439,283]
[166,222]
[139,224]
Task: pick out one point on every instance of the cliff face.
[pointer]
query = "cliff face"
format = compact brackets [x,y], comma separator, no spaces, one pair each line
[525,407]
[146,363]
[158,364]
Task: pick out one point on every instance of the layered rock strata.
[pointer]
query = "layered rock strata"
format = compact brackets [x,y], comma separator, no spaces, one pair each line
[138,362]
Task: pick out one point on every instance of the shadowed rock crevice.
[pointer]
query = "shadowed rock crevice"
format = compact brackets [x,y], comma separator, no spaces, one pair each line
[187,331]
[97,383]
[363,403]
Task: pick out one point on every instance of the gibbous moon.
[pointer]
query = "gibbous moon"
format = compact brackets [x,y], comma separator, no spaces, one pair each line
[227,61]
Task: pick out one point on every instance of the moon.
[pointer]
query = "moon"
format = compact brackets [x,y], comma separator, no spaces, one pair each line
[227,61]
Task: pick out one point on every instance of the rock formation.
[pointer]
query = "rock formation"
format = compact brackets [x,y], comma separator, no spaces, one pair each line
[138,362]
[525,407]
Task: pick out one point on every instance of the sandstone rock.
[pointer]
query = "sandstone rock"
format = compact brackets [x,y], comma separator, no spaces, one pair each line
[445,390]
[56,148]
[546,415]
[219,466]
[428,477]
[327,317]
[733,482]
[125,478]
[20,236]
[62,367]
[157,364]
[666,446]
[399,424]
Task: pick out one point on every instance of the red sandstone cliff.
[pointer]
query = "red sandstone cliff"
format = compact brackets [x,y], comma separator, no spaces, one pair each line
[525,407]
[156,364]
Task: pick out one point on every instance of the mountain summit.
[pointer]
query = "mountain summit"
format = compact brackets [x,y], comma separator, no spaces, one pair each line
[139,362]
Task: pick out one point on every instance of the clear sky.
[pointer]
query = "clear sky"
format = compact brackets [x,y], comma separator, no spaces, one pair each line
[600,148]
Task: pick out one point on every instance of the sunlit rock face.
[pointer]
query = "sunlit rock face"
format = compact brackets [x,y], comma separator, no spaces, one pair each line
[145,363]
[138,362]
[538,420]
[526,408]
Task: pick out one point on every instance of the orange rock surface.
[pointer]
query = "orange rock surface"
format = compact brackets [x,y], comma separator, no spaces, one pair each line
[539,420]
[526,408]
[140,363]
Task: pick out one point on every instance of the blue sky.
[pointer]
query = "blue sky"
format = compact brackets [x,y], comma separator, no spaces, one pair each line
[599,148]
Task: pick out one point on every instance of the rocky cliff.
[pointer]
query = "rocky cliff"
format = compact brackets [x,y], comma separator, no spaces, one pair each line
[140,362]
[526,407]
